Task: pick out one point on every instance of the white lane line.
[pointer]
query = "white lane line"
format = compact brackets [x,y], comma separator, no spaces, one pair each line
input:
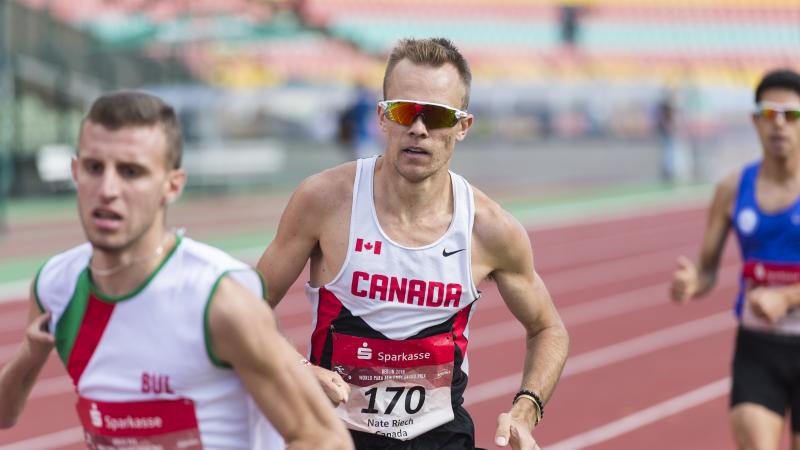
[668,337]
[561,251]
[625,302]
[616,269]
[646,416]
[48,441]
[602,308]
[611,354]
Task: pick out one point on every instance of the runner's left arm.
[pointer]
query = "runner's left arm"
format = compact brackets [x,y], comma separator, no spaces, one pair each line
[692,280]
[503,238]
[244,334]
[18,376]
[296,240]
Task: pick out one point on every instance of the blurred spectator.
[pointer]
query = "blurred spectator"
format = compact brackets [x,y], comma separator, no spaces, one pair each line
[666,131]
[544,114]
[569,24]
[356,124]
[6,174]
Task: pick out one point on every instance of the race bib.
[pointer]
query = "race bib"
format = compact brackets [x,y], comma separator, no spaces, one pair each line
[143,425]
[758,273]
[399,389]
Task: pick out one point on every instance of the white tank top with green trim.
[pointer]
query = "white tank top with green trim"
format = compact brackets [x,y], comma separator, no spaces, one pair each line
[141,363]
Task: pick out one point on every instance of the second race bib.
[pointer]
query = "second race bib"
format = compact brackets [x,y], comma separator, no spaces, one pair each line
[155,424]
[399,389]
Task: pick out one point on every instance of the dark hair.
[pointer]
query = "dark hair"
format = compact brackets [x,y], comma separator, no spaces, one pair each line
[121,109]
[432,52]
[778,79]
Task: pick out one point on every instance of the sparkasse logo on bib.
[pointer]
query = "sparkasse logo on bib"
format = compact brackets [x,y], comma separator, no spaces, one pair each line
[96,416]
[364,352]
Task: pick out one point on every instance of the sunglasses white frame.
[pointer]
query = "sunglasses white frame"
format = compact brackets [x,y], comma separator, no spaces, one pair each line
[782,108]
[459,113]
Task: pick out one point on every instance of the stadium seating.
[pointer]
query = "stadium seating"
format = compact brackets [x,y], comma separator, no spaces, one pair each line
[271,42]
[615,38]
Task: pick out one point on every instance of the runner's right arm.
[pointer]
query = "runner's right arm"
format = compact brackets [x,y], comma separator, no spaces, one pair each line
[692,280]
[244,334]
[295,242]
[18,376]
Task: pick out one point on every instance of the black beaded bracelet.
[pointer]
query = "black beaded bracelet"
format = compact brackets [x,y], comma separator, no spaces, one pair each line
[536,399]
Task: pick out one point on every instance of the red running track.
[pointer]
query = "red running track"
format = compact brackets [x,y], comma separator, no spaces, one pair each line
[642,373]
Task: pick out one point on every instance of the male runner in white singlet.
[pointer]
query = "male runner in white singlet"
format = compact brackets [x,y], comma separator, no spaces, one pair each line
[398,245]
[166,339]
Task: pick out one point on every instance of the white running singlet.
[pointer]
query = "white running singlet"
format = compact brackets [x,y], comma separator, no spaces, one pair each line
[142,364]
[393,322]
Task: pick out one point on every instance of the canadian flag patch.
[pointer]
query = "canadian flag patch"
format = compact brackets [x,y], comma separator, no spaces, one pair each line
[374,247]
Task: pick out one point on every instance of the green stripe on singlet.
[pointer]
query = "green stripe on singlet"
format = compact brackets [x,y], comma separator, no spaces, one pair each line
[70,322]
[36,290]
[207,311]
[118,298]
[207,325]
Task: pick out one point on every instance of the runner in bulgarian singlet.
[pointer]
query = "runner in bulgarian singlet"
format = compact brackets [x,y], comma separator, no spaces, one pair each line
[145,375]
[770,247]
[394,321]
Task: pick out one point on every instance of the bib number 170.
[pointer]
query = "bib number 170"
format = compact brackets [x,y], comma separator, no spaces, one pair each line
[414,399]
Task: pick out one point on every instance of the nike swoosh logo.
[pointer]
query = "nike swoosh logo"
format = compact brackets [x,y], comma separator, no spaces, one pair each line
[445,253]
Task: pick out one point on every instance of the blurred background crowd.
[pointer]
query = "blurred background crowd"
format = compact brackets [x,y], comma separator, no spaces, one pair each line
[271,90]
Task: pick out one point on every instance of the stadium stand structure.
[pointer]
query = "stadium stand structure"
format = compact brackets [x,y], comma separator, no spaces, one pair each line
[732,40]
[239,43]
[538,65]
[252,43]
[49,71]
